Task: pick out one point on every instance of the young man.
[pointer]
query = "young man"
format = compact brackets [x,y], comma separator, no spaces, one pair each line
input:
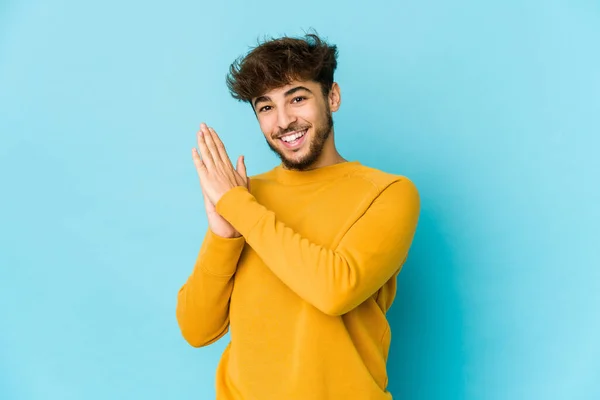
[301,265]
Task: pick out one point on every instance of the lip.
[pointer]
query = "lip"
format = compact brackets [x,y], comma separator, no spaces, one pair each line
[295,145]
[292,133]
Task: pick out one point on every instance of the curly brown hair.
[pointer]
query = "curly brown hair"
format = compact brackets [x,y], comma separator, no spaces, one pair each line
[277,62]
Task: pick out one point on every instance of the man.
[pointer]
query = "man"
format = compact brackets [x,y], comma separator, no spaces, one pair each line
[301,264]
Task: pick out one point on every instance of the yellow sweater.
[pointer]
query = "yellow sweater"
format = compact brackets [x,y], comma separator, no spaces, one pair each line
[305,290]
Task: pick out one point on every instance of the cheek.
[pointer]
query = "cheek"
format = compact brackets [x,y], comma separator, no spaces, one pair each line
[267,127]
[310,115]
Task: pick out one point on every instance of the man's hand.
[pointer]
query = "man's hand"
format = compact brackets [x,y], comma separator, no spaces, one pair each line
[217,176]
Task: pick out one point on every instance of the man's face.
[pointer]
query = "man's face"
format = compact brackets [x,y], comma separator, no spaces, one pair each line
[298,108]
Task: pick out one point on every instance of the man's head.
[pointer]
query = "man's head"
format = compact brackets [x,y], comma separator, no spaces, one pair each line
[289,84]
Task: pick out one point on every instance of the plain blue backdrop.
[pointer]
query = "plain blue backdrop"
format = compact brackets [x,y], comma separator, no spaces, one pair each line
[492,108]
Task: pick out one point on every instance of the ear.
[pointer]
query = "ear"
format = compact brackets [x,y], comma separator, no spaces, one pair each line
[335,97]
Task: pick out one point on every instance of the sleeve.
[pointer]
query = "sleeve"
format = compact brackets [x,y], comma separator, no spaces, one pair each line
[339,279]
[203,301]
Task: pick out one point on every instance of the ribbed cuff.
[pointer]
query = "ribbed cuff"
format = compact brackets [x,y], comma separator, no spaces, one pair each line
[219,255]
[240,208]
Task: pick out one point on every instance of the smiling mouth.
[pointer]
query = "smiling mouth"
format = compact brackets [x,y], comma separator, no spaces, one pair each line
[297,141]
[301,132]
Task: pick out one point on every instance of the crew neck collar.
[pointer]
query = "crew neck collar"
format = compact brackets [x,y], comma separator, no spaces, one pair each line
[318,174]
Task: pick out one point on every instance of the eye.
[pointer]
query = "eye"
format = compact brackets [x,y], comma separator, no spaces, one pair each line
[299,98]
[265,108]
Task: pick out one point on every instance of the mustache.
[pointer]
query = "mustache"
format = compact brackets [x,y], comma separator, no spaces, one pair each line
[291,128]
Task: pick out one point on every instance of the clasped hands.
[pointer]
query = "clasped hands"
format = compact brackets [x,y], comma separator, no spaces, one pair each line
[216,173]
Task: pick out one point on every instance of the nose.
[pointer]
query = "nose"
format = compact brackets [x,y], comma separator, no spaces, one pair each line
[285,118]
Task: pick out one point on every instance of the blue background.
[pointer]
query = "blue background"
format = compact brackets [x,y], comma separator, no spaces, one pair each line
[491,108]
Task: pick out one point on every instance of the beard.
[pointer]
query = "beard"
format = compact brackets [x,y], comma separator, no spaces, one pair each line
[320,135]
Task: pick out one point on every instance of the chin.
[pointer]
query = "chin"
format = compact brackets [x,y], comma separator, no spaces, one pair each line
[304,162]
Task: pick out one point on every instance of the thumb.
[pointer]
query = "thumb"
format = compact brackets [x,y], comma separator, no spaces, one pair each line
[241,169]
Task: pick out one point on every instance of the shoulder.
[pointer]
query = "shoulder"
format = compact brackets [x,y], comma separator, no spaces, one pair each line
[386,181]
[394,196]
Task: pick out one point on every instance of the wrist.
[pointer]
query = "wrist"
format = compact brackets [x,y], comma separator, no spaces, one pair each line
[226,236]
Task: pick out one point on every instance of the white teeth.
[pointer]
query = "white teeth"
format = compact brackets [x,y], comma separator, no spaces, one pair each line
[293,137]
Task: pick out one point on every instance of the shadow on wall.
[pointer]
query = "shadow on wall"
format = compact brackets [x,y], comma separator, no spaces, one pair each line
[426,359]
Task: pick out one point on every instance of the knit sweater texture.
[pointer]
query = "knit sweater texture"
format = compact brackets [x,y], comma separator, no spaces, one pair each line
[304,292]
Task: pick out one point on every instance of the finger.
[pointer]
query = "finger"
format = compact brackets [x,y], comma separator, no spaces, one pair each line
[212,148]
[241,170]
[203,146]
[220,147]
[200,167]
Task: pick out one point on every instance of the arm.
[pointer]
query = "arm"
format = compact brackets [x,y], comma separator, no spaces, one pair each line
[203,301]
[333,280]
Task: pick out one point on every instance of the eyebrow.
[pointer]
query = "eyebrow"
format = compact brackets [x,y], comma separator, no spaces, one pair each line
[286,94]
